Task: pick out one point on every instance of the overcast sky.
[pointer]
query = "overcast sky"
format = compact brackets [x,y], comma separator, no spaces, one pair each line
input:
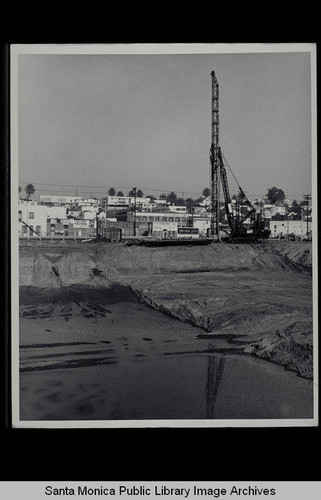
[145,121]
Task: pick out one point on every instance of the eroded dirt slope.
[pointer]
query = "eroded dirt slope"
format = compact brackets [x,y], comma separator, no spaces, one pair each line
[52,266]
[256,298]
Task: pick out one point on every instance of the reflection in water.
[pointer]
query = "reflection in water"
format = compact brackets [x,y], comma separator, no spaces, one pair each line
[138,364]
[215,369]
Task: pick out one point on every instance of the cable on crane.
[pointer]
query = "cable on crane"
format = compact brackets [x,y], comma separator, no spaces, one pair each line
[230,169]
[234,177]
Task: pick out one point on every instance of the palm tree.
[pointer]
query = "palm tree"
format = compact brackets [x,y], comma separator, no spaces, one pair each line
[172,198]
[206,192]
[29,189]
[139,193]
[120,193]
[180,202]
[111,191]
[189,204]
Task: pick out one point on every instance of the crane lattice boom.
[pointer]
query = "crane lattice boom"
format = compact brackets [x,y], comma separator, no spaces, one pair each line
[218,177]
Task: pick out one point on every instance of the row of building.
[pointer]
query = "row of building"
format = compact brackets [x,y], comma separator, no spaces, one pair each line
[88,208]
[37,220]
[76,217]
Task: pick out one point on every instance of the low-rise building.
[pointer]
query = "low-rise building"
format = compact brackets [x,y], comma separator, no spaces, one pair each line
[203,224]
[59,200]
[178,209]
[180,219]
[206,203]
[271,210]
[32,218]
[268,211]
[285,228]
[76,228]
[125,202]
[75,214]
[164,229]
[89,213]
[281,210]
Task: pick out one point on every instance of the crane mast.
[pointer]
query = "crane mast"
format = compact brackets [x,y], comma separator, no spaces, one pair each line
[215,163]
[218,172]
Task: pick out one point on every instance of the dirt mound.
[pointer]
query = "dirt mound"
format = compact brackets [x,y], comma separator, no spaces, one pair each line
[53,267]
[253,292]
[292,348]
[250,306]
[37,270]
[297,254]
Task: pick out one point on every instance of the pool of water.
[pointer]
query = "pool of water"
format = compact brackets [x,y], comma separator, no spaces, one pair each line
[126,361]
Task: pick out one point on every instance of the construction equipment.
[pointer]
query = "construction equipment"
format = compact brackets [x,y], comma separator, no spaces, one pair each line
[248,227]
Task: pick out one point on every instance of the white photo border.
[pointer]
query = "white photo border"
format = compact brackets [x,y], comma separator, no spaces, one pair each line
[135,48]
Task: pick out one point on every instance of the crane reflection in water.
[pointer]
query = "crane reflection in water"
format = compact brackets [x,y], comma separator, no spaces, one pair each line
[219,369]
[215,370]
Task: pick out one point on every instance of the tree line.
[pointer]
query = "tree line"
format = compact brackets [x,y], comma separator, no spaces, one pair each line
[274,195]
[171,197]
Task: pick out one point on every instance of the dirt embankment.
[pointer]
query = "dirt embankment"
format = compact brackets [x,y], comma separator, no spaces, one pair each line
[256,297]
[56,266]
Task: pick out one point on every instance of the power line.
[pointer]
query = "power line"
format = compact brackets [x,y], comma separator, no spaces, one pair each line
[103,192]
[74,186]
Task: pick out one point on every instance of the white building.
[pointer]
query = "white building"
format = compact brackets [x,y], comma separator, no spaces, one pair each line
[89,213]
[165,229]
[87,202]
[280,209]
[160,203]
[33,217]
[88,208]
[268,211]
[80,226]
[118,201]
[180,219]
[283,228]
[73,213]
[60,200]
[203,224]
[125,202]
[206,203]
[177,208]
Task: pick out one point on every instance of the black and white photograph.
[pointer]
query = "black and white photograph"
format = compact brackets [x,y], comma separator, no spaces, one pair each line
[163,235]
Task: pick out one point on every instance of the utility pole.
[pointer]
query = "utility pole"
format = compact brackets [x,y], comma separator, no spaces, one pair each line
[135,191]
[307,197]
[97,230]
[215,162]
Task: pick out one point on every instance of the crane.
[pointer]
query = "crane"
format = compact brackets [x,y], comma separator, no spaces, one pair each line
[249,227]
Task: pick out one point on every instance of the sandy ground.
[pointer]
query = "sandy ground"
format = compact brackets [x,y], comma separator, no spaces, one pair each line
[82,328]
[90,357]
[265,313]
